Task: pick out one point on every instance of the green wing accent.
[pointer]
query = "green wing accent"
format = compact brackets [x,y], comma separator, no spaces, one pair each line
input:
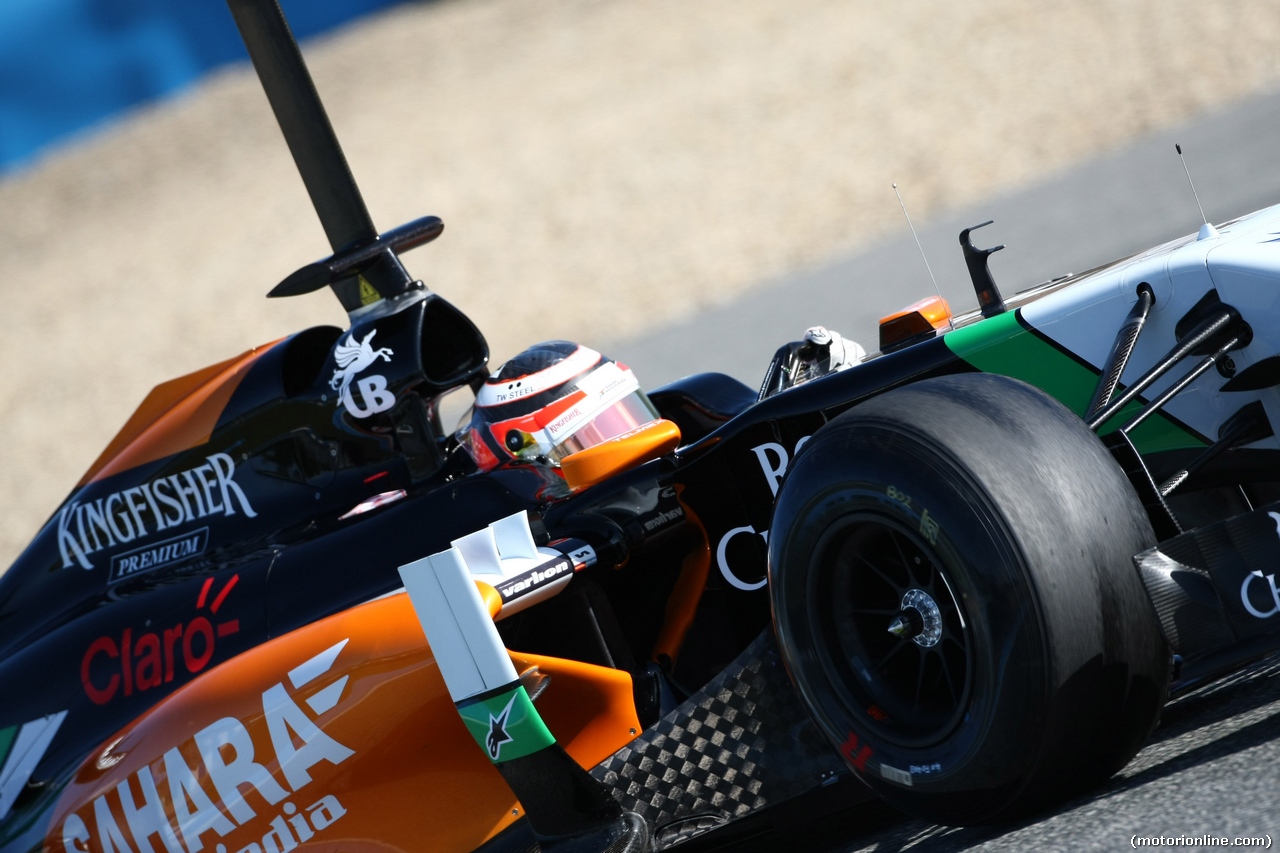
[1002,344]
[506,726]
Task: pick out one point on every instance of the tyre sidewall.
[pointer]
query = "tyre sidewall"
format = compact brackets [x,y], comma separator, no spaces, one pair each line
[1008,679]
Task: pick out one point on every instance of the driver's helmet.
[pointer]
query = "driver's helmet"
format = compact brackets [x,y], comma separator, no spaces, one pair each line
[551,400]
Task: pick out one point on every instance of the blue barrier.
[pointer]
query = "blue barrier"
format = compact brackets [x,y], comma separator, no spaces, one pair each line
[68,64]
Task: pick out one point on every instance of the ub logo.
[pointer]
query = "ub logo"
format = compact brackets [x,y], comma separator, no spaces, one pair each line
[353,358]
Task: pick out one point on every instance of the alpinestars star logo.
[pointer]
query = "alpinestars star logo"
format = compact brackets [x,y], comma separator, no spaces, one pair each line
[352,359]
[498,730]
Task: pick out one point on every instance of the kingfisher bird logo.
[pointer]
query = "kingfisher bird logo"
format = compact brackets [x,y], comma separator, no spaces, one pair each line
[352,359]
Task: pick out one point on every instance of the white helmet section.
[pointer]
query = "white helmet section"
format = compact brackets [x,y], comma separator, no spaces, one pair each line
[493,394]
[554,399]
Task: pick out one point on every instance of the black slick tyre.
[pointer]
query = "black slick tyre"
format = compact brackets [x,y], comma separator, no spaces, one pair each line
[950,567]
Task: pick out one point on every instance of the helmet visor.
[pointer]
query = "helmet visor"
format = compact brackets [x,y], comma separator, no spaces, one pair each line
[595,407]
[622,416]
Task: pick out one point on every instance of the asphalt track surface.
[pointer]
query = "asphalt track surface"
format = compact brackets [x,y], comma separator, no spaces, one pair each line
[1212,767]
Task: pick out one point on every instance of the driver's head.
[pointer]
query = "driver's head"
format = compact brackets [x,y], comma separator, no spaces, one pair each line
[551,400]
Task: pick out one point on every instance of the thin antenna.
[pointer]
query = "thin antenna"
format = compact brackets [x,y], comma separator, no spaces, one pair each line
[1206,230]
[1178,148]
[923,256]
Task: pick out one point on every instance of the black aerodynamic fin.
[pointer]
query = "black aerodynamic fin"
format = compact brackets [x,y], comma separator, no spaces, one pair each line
[364,266]
[989,299]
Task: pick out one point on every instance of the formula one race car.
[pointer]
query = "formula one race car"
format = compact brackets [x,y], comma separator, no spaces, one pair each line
[286,608]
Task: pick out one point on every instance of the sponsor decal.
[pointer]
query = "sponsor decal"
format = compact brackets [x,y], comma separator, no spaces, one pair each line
[505,724]
[856,753]
[609,382]
[893,774]
[135,513]
[353,359]
[723,562]
[773,459]
[535,578]
[159,554]
[498,731]
[1254,610]
[492,394]
[534,426]
[662,519]
[21,748]
[514,391]
[195,793]
[1245,599]
[597,391]
[561,424]
[929,528]
[579,553]
[120,666]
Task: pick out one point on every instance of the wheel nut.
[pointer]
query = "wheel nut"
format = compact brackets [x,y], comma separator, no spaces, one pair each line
[926,631]
[907,624]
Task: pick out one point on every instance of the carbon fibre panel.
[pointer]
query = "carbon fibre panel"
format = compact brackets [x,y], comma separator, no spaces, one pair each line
[740,744]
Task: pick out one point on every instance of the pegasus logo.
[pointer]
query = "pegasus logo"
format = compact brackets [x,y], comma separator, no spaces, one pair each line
[352,359]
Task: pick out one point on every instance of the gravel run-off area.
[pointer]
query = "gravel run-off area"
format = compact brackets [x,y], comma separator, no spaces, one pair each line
[602,168]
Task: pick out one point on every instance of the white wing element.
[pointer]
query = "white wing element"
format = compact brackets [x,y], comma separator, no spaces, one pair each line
[504,556]
[464,640]
[442,588]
